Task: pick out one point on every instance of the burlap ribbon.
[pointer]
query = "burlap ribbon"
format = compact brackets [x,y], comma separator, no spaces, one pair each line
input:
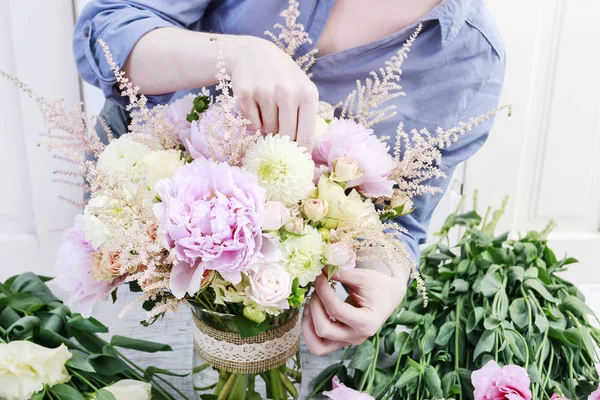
[230,352]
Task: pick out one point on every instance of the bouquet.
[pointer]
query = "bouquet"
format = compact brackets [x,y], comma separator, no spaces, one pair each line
[191,207]
[48,352]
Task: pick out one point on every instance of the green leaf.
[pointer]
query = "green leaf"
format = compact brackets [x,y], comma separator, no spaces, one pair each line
[474,318]
[90,325]
[567,261]
[459,286]
[541,322]
[531,273]
[499,255]
[388,342]
[534,373]
[31,283]
[247,328]
[539,287]
[66,392]
[500,305]
[463,266]
[519,312]
[324,378]
[24,302]
[211,396]
[107,365]
[408,318]
[77,361]
[491,322]
[485,344]
[516,274]
[490,284]
[39,395]
[23,327]
[401,338]
[429,339]
[530,252]
[576,306]
[104,394]
[468,219]
[363,356]
[151,371]
[517,344]
[445,334]
[409,376]
[433,383]
[139,345]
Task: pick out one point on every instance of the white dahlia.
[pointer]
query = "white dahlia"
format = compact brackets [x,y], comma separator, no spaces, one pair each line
[122,155]
[283,168]
[303,255]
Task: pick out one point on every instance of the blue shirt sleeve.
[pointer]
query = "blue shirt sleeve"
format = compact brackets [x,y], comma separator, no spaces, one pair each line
[484,99]
[120,24]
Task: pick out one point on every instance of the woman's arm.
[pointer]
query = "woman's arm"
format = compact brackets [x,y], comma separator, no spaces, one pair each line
[273,92]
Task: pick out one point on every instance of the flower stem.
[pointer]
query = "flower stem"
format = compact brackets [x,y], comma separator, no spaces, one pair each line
[224,394]
[288,385]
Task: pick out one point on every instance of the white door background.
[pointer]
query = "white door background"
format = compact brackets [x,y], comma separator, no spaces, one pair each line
[543,157]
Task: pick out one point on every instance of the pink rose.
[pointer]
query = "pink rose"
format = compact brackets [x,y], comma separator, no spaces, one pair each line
[211,217]
[276,215]
[270,286]
[494,383]
[556,396]
[341,254]
[342,392]
[595,395]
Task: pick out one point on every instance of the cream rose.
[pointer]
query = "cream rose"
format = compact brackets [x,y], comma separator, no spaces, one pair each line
[295,225]
[343,209]
[276,215]
[129,389]
[270,286]
[345,169]
[341,254]
[25,368]
[315,209]
[402,200]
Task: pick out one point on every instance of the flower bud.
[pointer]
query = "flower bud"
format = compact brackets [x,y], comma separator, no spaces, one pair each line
[326,111]
[295,225]
[400,200]
[325,234]
[341,254]
[345,169]
[254,314]
[276,215]
[315,209]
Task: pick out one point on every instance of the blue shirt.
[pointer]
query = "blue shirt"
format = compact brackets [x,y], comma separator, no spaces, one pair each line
[454,71]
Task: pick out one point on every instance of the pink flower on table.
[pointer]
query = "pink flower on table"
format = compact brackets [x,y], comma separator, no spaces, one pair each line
[556,396]
[210,216]
[342,392]
[595,395]
[346,138]
[494,383]
[73,268]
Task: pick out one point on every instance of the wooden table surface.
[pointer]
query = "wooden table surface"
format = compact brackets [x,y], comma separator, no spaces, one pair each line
[176,330]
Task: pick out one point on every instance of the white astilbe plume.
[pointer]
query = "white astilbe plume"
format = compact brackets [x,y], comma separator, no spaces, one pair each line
[292,36]
[418,154]
[366,103]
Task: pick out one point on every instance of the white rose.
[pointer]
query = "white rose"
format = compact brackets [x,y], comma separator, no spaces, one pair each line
[25,368]
[295,225]
[315,209]
[402,199]
[276,215]
[160,164]
[341,254]
[322,126]
[343,209]
[129,389]
[345,169]
[270,286]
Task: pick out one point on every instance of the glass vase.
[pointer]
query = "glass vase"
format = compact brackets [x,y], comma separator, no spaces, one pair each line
[227,366]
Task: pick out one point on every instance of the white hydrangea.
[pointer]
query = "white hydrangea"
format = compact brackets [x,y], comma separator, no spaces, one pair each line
[157,165]
[303,255]
[122,155]
[284,169]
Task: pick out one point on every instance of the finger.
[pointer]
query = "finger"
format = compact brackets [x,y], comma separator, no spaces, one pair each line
[328,329]
[357,277]
[268,115]
[307,118]
[315,344]
[288,117]
[336,308]
[249,109]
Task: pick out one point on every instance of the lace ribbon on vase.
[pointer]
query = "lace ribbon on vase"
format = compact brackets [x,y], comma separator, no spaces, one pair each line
[253,355]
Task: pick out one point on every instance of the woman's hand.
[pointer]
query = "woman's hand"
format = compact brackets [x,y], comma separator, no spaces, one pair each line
[273,92]
[330,323]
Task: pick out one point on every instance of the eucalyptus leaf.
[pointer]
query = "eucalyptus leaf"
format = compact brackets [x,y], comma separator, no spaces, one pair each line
[65,392]
[107,365]
[576,306]
[433,382]
[519,313]
[490,284]
[516,274]
[475,317]
[445,334]
[429,339]
[485,344]
[408,376]
[362,356]
[539,287]
[77,361]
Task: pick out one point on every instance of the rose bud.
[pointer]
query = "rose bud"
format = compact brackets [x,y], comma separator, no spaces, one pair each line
[345,169]
[276,215]
[295,225]
[341,254]
[315,209]
[400,200]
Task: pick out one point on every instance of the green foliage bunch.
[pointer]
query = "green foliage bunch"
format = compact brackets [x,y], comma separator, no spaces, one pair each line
[491,298]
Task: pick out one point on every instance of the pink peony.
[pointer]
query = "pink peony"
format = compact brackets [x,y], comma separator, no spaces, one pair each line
[556,396]
[176,116]
[342,392]
[595,395]
[211,215]
[74,271]
[494,383]
[346,138]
